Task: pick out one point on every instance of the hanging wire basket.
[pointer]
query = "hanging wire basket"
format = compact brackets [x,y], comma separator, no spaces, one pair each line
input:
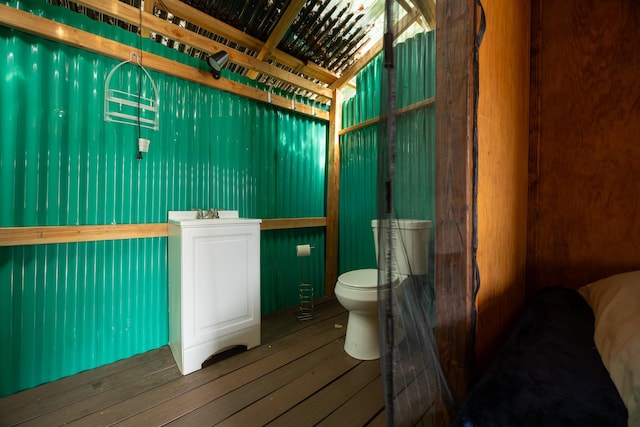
[122,106]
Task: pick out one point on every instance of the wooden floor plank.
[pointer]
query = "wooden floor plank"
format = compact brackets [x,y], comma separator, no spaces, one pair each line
[193,399]
[158,397]
[417,398]
[255,401]
[313,409]
[300,375]
[77,410]
[285,321]
[315,376]
[381,420]
[41,399]
[68,391]
[359,410]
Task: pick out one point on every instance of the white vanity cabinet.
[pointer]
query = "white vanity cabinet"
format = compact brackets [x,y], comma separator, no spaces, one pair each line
[214,286]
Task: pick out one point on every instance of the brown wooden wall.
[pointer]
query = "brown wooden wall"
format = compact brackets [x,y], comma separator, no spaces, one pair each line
[584,221]
[503,138]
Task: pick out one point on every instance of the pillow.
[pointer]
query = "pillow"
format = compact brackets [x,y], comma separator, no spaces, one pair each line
[615,302]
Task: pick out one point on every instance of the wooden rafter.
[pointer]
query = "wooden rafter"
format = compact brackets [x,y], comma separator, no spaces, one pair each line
[209,23]
[278,32]
[215,26]
[408,7]
[428,10]
[148,7]
[131,15]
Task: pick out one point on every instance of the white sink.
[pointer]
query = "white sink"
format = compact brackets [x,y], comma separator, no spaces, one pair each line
[214,286]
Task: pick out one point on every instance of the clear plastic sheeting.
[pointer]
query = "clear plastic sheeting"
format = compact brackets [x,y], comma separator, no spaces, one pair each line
[415,388]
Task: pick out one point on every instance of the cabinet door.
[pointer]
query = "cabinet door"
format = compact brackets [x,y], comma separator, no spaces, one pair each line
[225,283]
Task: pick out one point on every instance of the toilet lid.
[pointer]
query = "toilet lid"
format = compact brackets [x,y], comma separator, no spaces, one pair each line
[367,278]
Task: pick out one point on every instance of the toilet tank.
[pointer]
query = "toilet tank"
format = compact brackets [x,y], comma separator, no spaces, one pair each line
[410,244]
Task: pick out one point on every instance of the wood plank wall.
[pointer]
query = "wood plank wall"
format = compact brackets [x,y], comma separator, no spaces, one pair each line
[503,138]
[584,208]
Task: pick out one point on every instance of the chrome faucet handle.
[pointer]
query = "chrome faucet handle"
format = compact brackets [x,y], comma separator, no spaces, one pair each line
[199,215]
[213,213]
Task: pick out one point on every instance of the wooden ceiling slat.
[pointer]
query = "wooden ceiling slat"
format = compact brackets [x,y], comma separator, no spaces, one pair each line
[278,32]
[234,35]
[131,15]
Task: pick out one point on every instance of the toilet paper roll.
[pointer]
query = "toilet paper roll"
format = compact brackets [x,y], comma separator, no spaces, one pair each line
[303,250]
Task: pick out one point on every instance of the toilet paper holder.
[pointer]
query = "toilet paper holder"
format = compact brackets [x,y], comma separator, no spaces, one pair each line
[305,290]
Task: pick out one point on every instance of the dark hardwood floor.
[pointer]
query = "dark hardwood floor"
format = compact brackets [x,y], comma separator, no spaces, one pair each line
[299,376]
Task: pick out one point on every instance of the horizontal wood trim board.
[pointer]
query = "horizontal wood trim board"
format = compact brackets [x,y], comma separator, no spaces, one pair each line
[400,111]
[18,236]
[51,30]
[287,223]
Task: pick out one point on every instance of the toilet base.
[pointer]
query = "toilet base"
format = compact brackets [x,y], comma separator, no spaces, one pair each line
[361,341]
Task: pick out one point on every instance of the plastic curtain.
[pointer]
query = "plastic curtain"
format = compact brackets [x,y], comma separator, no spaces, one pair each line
[416,391]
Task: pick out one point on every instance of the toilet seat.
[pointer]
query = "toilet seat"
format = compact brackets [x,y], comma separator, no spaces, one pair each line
[360,280]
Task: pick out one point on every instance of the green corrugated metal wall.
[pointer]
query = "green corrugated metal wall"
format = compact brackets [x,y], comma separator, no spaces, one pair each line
[69,307]
[414,185]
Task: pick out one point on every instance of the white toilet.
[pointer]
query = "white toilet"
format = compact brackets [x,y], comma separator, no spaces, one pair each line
[357,290]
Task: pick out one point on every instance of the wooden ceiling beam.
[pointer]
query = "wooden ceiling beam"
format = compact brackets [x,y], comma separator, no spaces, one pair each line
[411,10]
[209,23]
[131,15]
[428,10]
[222,29]
[287,18]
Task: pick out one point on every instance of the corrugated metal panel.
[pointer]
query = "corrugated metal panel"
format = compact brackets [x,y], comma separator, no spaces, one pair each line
[358,172]
[286,271]
[414,184]
[70,307]
[416,67]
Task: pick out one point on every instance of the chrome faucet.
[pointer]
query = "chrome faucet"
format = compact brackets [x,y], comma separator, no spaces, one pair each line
[208,214]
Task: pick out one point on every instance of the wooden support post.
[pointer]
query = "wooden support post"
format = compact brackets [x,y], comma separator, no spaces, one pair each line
[333,192]
[454,190]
